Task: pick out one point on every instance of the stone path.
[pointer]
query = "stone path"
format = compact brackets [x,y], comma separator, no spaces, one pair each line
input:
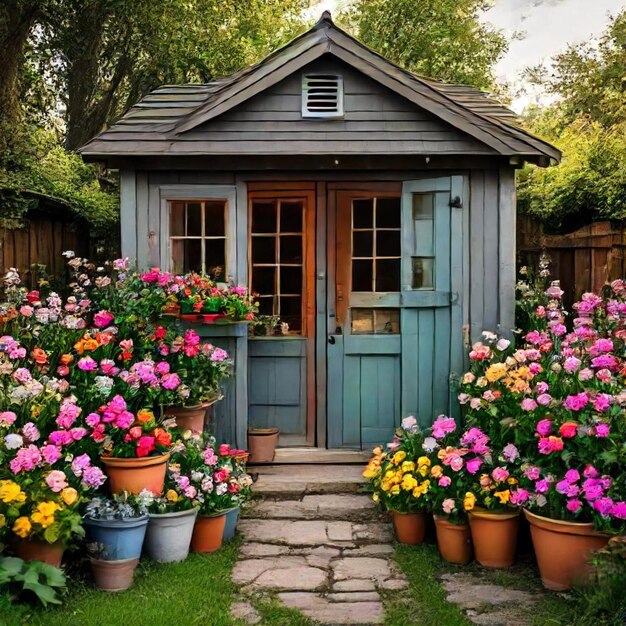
[318,544]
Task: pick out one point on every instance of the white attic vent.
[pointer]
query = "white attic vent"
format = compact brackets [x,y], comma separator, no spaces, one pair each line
[322,95]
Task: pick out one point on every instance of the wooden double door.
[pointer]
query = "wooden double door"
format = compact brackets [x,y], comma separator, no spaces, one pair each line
[382,321]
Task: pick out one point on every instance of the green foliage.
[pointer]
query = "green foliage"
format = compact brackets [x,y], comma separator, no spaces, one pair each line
[441,39]
[18,577]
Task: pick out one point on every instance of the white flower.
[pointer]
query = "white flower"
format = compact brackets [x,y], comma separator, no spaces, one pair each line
[221,489]
[13,441]
[430,444]
[489,336]
[409,423]
[68,254]
[503,344]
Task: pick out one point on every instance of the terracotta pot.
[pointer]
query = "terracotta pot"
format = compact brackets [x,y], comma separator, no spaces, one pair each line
[563,550]
[454,541]
[135,474]
[208,533]
[191,418]
[494,534]
[39,550]
[113,575]
[262,444]
[409,528]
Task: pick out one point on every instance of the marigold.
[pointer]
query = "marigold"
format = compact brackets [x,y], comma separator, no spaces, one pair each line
[395,490]
[409,482]
[22,527]
[47,508]
[469,501]
[398,457]
[144,416]
[496,372]
[43,520]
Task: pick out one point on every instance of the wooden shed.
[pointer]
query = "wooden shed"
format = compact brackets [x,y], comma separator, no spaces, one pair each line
[372,210]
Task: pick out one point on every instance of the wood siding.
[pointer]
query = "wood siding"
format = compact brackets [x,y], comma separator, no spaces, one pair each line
[376,120]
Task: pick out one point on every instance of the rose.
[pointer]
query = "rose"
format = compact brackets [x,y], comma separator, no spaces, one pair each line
[56,480]
[39,356]
[473,465]
[102,319]
[544,427]
[568,430]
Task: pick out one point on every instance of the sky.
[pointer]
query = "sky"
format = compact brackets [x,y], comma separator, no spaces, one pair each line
[542,28]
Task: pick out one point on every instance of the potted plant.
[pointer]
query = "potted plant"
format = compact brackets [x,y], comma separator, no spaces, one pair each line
[400,479]
[172,519]
[135,448]
[262,444]
[240,491]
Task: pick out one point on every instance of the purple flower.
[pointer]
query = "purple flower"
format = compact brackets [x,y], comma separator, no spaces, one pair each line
[80,463]
[576,402]
[572,476]
[573,505]
[544,399]
[93,477]
[218,355]
[544,427]
[602,430]
[543,485]
[603,506]
[87,364]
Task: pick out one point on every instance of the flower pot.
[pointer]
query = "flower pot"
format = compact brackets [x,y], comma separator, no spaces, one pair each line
[409,528]
[39,550]
[494,534]
[230,525]
[208,533]
[211,318]
[563,550]
[191,417]
[262,444]
[122,539]
[169,534]
[135,474]
[113,575]
[454,541]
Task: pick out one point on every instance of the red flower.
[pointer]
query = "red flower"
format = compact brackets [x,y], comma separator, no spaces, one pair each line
[568,429]
[159,333]
[162,437]
[97,434]
[224,449]
[32,296]
[135,432]
[145,445]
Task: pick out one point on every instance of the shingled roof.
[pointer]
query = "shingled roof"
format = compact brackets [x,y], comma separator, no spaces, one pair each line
[157,124]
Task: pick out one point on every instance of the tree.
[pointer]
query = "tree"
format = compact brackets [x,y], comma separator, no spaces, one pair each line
[441,39]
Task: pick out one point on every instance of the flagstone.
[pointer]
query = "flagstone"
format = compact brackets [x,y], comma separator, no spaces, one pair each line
[245,612]
[356,584]
[339,531]
[361,567]
[262,549]
[299,578]
[354,596]
[325,612]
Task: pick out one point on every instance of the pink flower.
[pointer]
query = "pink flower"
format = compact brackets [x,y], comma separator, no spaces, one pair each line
[26,459]
[56,480]
[124,420]
[548,445]
[409,423]
[456,463]
[571,364]
[500,474]
[93,477]
[473,465]
[603,506]
[542,486]
[544,399]
[51,453]
[170,381]
[602,430]
[602,402]
[80,463]
[218,355]
[590,472]
[92,419]
[528,404]
[448,506]
[619,510]
[475,403]
[78,433]
[87,364]
[572,476]
[444,481]
[576,402]
[210,458]
[605,360]
[7,418]
[510,452]
[532,472]
[542,387]
[31,432]
[162,367]
[102,319]
[544,427]
[573,505]
[442,426]
[601,345]
[225,448]
[519,496]
[60,437]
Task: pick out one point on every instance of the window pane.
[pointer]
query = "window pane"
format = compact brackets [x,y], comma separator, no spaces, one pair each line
[362,213]
[177,219]
[192,255]
[215,258]
[388,275]
[177,263]
[291,217]
[263,280]
[423,272]
[362,243]
[291,312]
[291,280]
[214,213]
[387,243]
[263,249]
[362,275]
[194,223]
[375,321]
[266,305]
[264,217]
[388,212]
[423,206]
[291,249]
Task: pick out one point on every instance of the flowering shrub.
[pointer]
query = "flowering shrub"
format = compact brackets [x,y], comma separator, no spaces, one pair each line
[558,397]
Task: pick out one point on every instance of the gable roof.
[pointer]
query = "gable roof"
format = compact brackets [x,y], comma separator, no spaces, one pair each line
[161,119]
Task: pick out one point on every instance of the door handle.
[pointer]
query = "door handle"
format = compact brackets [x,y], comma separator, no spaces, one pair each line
[331,340]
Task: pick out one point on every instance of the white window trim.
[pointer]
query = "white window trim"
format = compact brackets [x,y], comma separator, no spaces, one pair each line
[227,193]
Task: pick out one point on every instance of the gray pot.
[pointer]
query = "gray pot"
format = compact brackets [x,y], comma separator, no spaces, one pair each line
[169,535]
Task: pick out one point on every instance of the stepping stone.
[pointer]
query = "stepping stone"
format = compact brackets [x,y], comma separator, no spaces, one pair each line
[326,612]
[262,549]
[373,533]
[298,533]
[339,531]
[355,596]
[245,612]
[394,584]
[361,567]
[357,584]
[374,549]
[299,578]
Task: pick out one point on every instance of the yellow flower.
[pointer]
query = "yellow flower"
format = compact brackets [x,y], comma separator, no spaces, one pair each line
[408,466]
[436,471]
[398,457]
[511,480]
[395,490]
[69,495]
[503,496]
[47,508]
[42,520]
[35,411]
[375,497]
[3,521]
[423,460]
[171,495]
[495,372]
[469,501]
[408,482]
[22,527]
[10,492]
[371,471]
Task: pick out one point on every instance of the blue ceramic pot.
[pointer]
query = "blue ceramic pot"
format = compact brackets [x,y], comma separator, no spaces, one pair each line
[232,517]
[122,539]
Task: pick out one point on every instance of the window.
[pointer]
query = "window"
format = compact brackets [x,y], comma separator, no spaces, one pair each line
[277,258]
[198,237]
[375,322]
[423,259]
[322,95]
[376,247]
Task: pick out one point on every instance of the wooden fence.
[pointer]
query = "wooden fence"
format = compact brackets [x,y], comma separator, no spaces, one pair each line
[582,260]
[41,241]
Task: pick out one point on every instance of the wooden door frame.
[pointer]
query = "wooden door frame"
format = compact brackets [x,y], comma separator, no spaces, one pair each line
[297,191]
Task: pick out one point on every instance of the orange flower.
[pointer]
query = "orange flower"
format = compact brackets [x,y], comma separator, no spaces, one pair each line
[90,345]
[66,359]
[144,416]
[162,437]
[40,357]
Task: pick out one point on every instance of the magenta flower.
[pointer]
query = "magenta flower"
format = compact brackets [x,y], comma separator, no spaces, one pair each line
[572,476]
[619,510]
[605,360]
[87,364]
[603,506]
[473,465]
[444,481]
[542,486]
[51,453]
[602,430]
[573,505]
[602,402]
[92,419]
[544,427]
[576,402]
[548,445]
[102,319]
[590,472]
[519,496]
[544,399]
[60,437]
[162,367]
[78,433]
[442,426]
[124,420]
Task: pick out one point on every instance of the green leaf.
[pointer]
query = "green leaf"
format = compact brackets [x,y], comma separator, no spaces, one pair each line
[10,566]
[46,595]
[51,534]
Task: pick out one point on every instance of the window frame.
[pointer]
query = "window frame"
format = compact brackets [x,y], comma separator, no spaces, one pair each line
[200,193]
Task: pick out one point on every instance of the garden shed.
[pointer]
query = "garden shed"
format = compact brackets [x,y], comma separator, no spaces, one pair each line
[371,209]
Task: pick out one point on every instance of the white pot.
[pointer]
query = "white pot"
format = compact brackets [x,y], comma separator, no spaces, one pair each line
[169,535]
